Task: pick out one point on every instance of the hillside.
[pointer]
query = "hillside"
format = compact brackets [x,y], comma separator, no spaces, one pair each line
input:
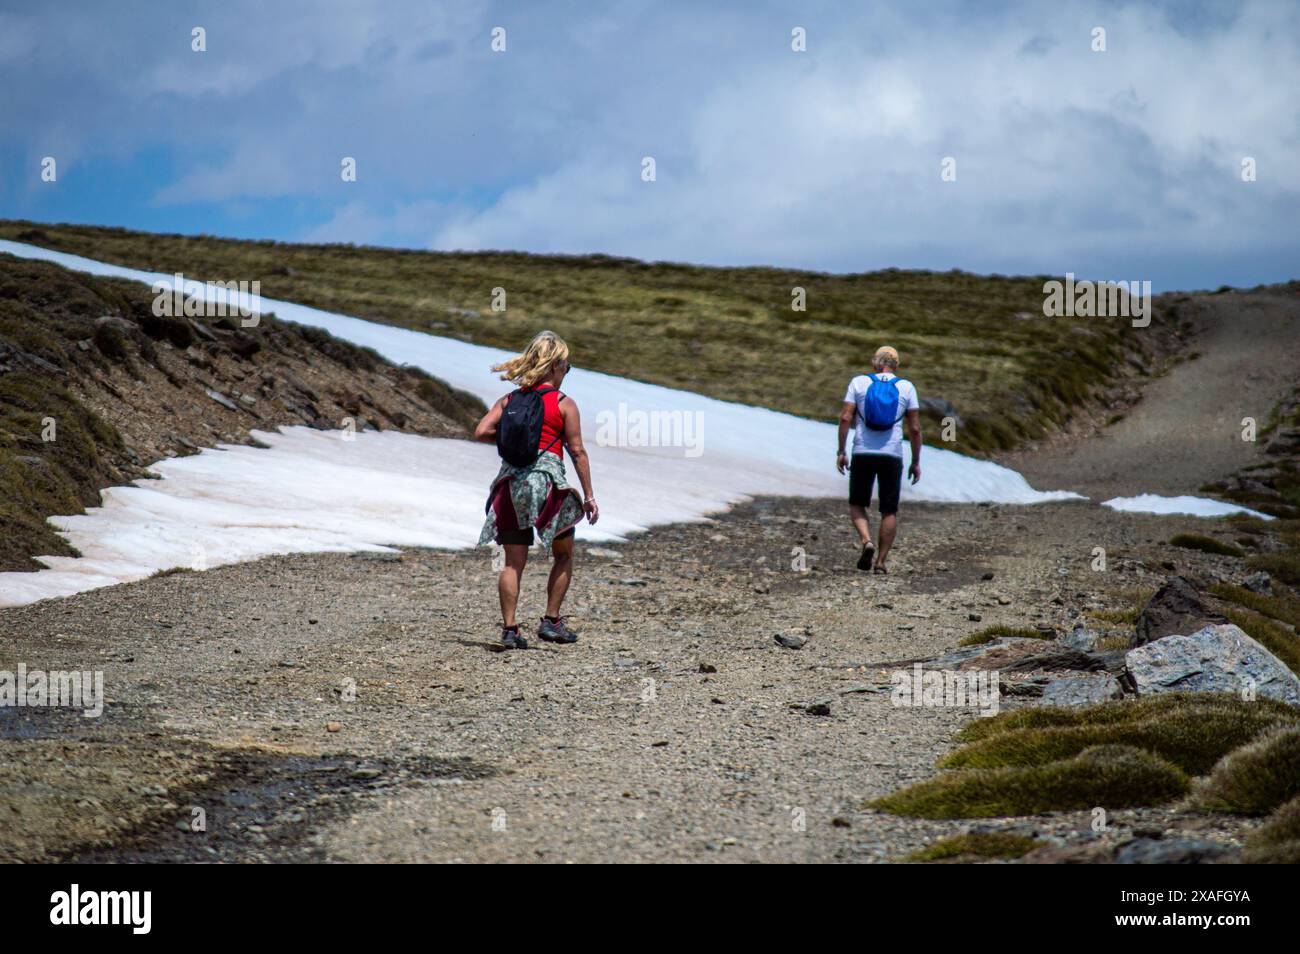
[977,346]
[94,388]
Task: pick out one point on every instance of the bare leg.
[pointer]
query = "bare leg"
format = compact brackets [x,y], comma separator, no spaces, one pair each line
[508,581]
[561,573]
[888,529]
[859,517]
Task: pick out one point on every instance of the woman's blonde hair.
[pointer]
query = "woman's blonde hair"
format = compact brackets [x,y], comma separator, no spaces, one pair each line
[534,366]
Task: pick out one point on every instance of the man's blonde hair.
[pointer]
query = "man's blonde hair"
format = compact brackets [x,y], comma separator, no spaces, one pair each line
[886,357]
[534,366]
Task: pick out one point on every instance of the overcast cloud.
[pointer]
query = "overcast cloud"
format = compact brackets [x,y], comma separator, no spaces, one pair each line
[1124,164]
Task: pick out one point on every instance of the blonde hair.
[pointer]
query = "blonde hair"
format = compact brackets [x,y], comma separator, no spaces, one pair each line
[886,357]
[534,366]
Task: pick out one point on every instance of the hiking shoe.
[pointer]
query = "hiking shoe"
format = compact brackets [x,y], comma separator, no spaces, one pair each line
[555,631]
[868,554]
[880,569]
[511,638]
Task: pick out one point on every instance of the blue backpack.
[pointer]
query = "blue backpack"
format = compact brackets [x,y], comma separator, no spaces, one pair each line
[879,406]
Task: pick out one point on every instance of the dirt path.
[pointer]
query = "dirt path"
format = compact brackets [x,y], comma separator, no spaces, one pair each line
[1186,431]
[676,730]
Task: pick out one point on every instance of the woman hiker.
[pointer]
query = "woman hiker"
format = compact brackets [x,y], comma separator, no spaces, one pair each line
[531,493]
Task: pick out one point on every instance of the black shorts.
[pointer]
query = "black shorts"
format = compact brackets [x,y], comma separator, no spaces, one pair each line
[524,537]
[883,469]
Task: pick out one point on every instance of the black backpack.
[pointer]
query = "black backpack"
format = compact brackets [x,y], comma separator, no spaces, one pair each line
[520,430]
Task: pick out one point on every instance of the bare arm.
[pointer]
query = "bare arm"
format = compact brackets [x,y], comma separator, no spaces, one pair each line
[578,454]
[914,436]
[847,414]
[486,431]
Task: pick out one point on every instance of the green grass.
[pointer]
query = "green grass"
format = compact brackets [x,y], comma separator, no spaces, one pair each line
[1256,778]
[1119,710]
[976,844]
[1109,776]
[1284,566]
[990,633]
[1277,841]
[1192,737]
[980,342]
[1285,609]
[1196,541]
[1273,636]
[1117,616]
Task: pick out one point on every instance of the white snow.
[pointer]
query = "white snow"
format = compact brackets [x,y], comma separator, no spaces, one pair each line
[312,490]
[1186,506]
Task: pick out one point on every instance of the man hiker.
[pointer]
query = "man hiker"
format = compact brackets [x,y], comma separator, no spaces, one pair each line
[530,498]
[875,406]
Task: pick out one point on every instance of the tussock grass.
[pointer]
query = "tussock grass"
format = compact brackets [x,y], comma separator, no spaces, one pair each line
[976,844]
[1117,616]
[1196,541]
[1192,737]
[1118,710]
[1113,776]
[1256,778]
[1285,609]
[990,633]
[1277,841]
[1274,637]
[1284,565]
[979,342]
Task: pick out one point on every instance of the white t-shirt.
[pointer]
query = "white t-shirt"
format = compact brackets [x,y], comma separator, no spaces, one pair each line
[867,441]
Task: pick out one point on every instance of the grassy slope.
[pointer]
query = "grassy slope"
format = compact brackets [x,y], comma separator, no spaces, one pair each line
[71,390]
[980,342]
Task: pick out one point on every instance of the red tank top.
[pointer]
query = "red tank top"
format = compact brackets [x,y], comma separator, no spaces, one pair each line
[552,424]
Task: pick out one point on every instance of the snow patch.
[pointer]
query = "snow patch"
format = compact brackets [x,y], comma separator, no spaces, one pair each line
[1185,505]
[313,491]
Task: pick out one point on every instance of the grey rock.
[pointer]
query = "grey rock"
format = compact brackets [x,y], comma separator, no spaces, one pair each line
[1219,658]
[1081,690]
[941,407]
[1176,608]
[791,640]
[1057,658]
[1169,851]
[1081,638]
[221,399]
[1258,582]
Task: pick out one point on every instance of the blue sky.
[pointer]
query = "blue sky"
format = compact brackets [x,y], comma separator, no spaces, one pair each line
[1122,164]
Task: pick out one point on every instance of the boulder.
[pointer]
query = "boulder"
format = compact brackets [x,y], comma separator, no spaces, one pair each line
[1176,608]
[1170,851]
[1056,658]
[1081,638]
[1081,690]
[1218,658]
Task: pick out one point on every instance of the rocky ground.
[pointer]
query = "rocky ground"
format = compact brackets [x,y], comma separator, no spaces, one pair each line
[677,729]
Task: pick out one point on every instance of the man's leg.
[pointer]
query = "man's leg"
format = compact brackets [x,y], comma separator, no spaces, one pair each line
[858,514]
[508,581]
[561,573]
[891,486]
[888,529]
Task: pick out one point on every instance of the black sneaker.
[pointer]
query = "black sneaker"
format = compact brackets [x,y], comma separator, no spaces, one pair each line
[868,554]
[511,638]
[556,632]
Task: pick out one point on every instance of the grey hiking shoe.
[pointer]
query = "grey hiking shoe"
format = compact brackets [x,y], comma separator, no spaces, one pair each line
[555,631]
[511,638]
